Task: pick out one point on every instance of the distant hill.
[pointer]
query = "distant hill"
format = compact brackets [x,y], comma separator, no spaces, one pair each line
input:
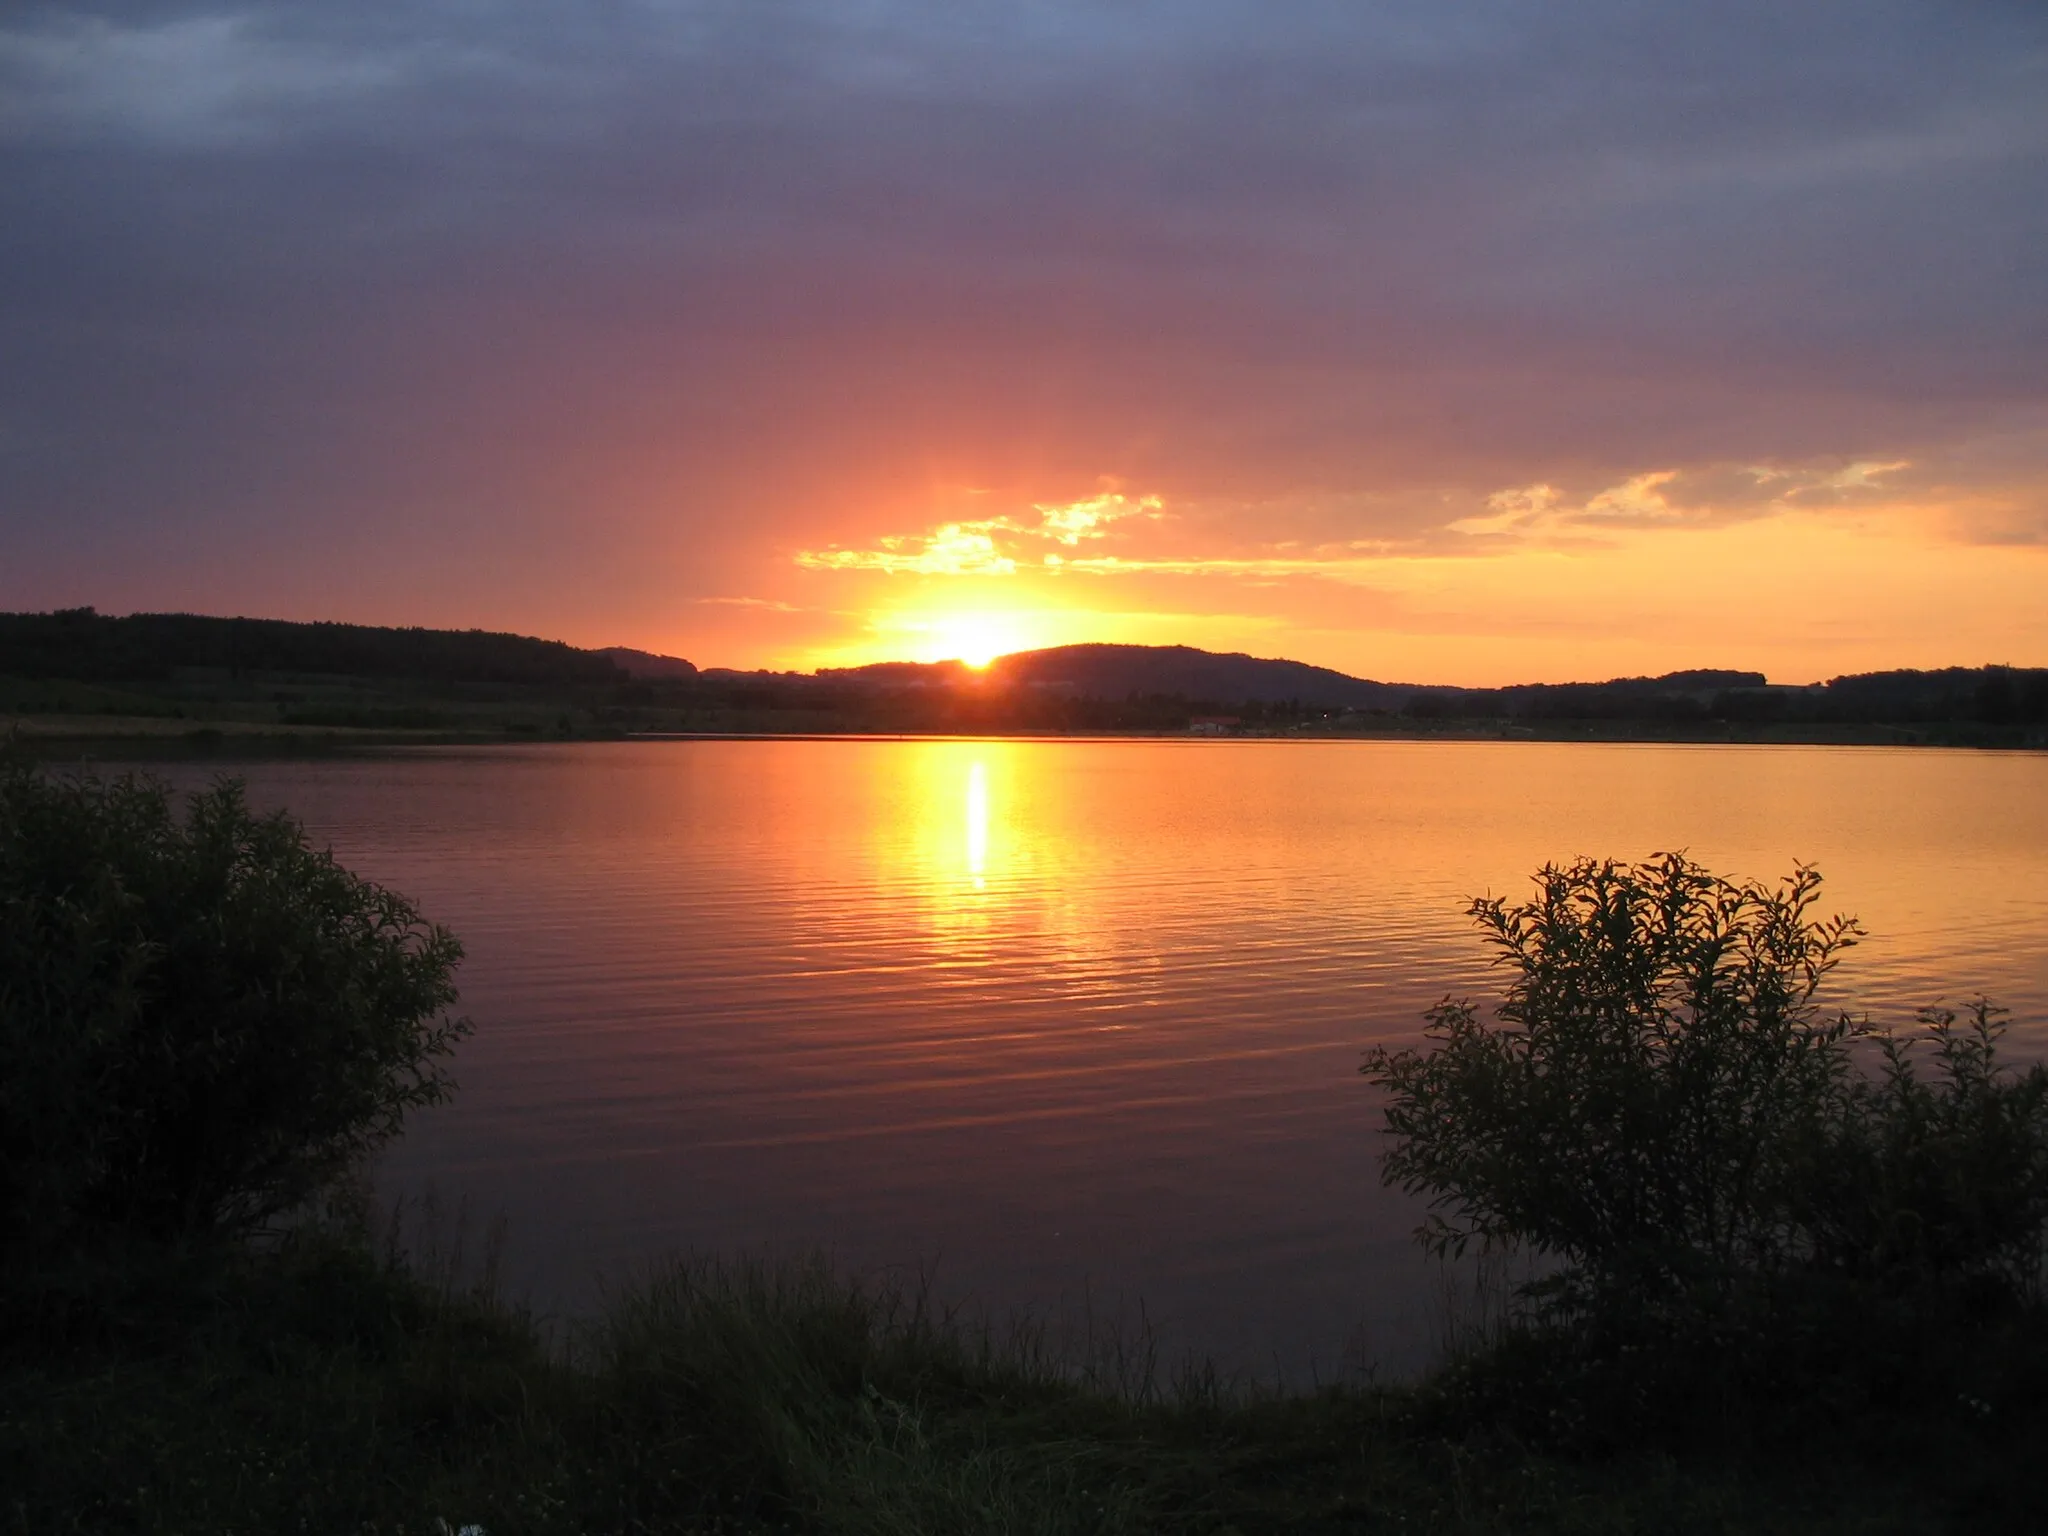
[1067,687]
[1994,695]
[1680,693]
[646,666]
[1114,671]
[144,647]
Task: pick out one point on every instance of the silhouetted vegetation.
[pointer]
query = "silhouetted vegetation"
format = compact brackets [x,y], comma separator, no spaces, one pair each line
[250,681]
[1735,1216]
[203,1021]
[79,643]
[1655,1085]
[322,1388]
[1660,1105]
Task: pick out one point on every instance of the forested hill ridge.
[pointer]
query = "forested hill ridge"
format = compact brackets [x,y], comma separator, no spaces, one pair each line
[1109,671]
[144,647]
[77,673]
[1181,671]
[1991,694]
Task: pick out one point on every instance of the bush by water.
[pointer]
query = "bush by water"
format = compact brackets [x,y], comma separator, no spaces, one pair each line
[1740,1207]
[204,1021]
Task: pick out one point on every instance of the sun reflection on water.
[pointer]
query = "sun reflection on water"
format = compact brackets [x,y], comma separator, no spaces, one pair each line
[965,839]
[977,825]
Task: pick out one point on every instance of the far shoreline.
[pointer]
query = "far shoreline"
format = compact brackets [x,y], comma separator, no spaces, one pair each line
[47,738]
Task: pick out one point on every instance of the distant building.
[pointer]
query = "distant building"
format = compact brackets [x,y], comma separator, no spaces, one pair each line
[1213,725]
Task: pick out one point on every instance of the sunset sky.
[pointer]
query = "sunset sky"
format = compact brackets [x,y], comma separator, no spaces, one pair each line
[1446,343]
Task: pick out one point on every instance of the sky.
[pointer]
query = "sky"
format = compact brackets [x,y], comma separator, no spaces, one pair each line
[1472,343]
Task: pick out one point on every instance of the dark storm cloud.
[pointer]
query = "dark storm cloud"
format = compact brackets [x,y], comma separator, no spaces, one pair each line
[283,279]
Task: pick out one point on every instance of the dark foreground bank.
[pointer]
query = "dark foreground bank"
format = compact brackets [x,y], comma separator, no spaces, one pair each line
[323,1388]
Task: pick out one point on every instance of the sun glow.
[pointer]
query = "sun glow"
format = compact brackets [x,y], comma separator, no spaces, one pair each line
[973,636]
[955,627]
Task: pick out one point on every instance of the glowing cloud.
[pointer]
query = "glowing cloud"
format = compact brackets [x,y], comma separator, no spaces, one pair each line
[1090,519]
[1702,496]
[988,546]
[951,549]
[1066,539]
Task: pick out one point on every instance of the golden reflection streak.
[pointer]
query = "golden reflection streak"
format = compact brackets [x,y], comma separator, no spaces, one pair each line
[977,824]
[967,825]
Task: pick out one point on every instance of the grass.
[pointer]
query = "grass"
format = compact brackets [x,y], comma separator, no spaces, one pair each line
[323,1388]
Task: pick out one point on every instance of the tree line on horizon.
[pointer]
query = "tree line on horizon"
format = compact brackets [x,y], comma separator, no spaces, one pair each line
[79,643]
[1077,687]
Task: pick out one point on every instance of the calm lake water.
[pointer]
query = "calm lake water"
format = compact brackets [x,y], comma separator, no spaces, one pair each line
[1072,1026]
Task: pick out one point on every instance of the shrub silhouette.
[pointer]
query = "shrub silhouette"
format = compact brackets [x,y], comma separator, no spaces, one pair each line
[203,1021]
[1930,1180]
[1662,1109]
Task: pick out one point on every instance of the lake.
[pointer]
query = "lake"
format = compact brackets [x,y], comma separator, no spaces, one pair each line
[1070,1026]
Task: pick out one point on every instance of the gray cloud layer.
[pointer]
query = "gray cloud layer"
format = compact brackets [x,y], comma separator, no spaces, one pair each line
[278,284]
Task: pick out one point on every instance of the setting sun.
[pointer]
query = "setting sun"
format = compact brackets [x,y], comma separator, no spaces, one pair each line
[971,636]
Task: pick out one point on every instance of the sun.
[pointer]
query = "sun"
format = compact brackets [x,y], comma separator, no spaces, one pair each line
[972,636]
[975,639]
[958,631]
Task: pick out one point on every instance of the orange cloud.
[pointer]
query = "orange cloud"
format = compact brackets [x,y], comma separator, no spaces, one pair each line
[972,548]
